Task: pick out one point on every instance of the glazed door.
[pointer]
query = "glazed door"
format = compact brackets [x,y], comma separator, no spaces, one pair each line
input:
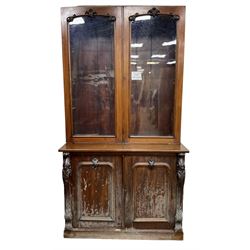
[97,191]
[150,190]
[153,66]
[92,66]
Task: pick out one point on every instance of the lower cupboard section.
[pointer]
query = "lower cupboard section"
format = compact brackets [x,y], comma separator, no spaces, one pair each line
[113,196]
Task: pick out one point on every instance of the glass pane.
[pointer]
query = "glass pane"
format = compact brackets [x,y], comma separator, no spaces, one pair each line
[153,55]
[92,75]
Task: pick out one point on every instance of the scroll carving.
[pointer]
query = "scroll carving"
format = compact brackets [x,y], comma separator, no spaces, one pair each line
[91,13]
[180,171]
[67,172]
[154,12]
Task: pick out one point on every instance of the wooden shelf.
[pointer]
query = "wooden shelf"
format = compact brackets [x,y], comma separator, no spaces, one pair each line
[123,147]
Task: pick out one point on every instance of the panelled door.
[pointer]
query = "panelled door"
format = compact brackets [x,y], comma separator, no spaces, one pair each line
[140,194]
[150,190]
[97,191]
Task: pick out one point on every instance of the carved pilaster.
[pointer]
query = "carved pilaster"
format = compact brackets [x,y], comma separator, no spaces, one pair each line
[180,171]
[67,172]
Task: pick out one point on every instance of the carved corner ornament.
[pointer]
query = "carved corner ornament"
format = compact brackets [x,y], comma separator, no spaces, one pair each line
[66,173]
[94,163]
[151,163]
[180,172]
[71,18]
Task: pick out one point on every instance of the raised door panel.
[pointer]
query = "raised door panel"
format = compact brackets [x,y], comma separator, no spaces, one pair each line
[97,191]
[150,192]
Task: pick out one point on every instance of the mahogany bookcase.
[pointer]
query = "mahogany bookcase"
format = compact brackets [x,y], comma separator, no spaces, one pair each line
[123,162]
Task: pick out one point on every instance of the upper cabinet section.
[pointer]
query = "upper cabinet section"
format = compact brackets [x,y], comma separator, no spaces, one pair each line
[91,57]
[154,66]
[123,71]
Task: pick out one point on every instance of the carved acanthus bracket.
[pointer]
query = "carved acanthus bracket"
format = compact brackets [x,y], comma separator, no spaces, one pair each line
[181,166]
[67,170]
[180,172]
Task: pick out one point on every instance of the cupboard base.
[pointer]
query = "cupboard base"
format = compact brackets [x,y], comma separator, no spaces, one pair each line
[124,195]
[125,234]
